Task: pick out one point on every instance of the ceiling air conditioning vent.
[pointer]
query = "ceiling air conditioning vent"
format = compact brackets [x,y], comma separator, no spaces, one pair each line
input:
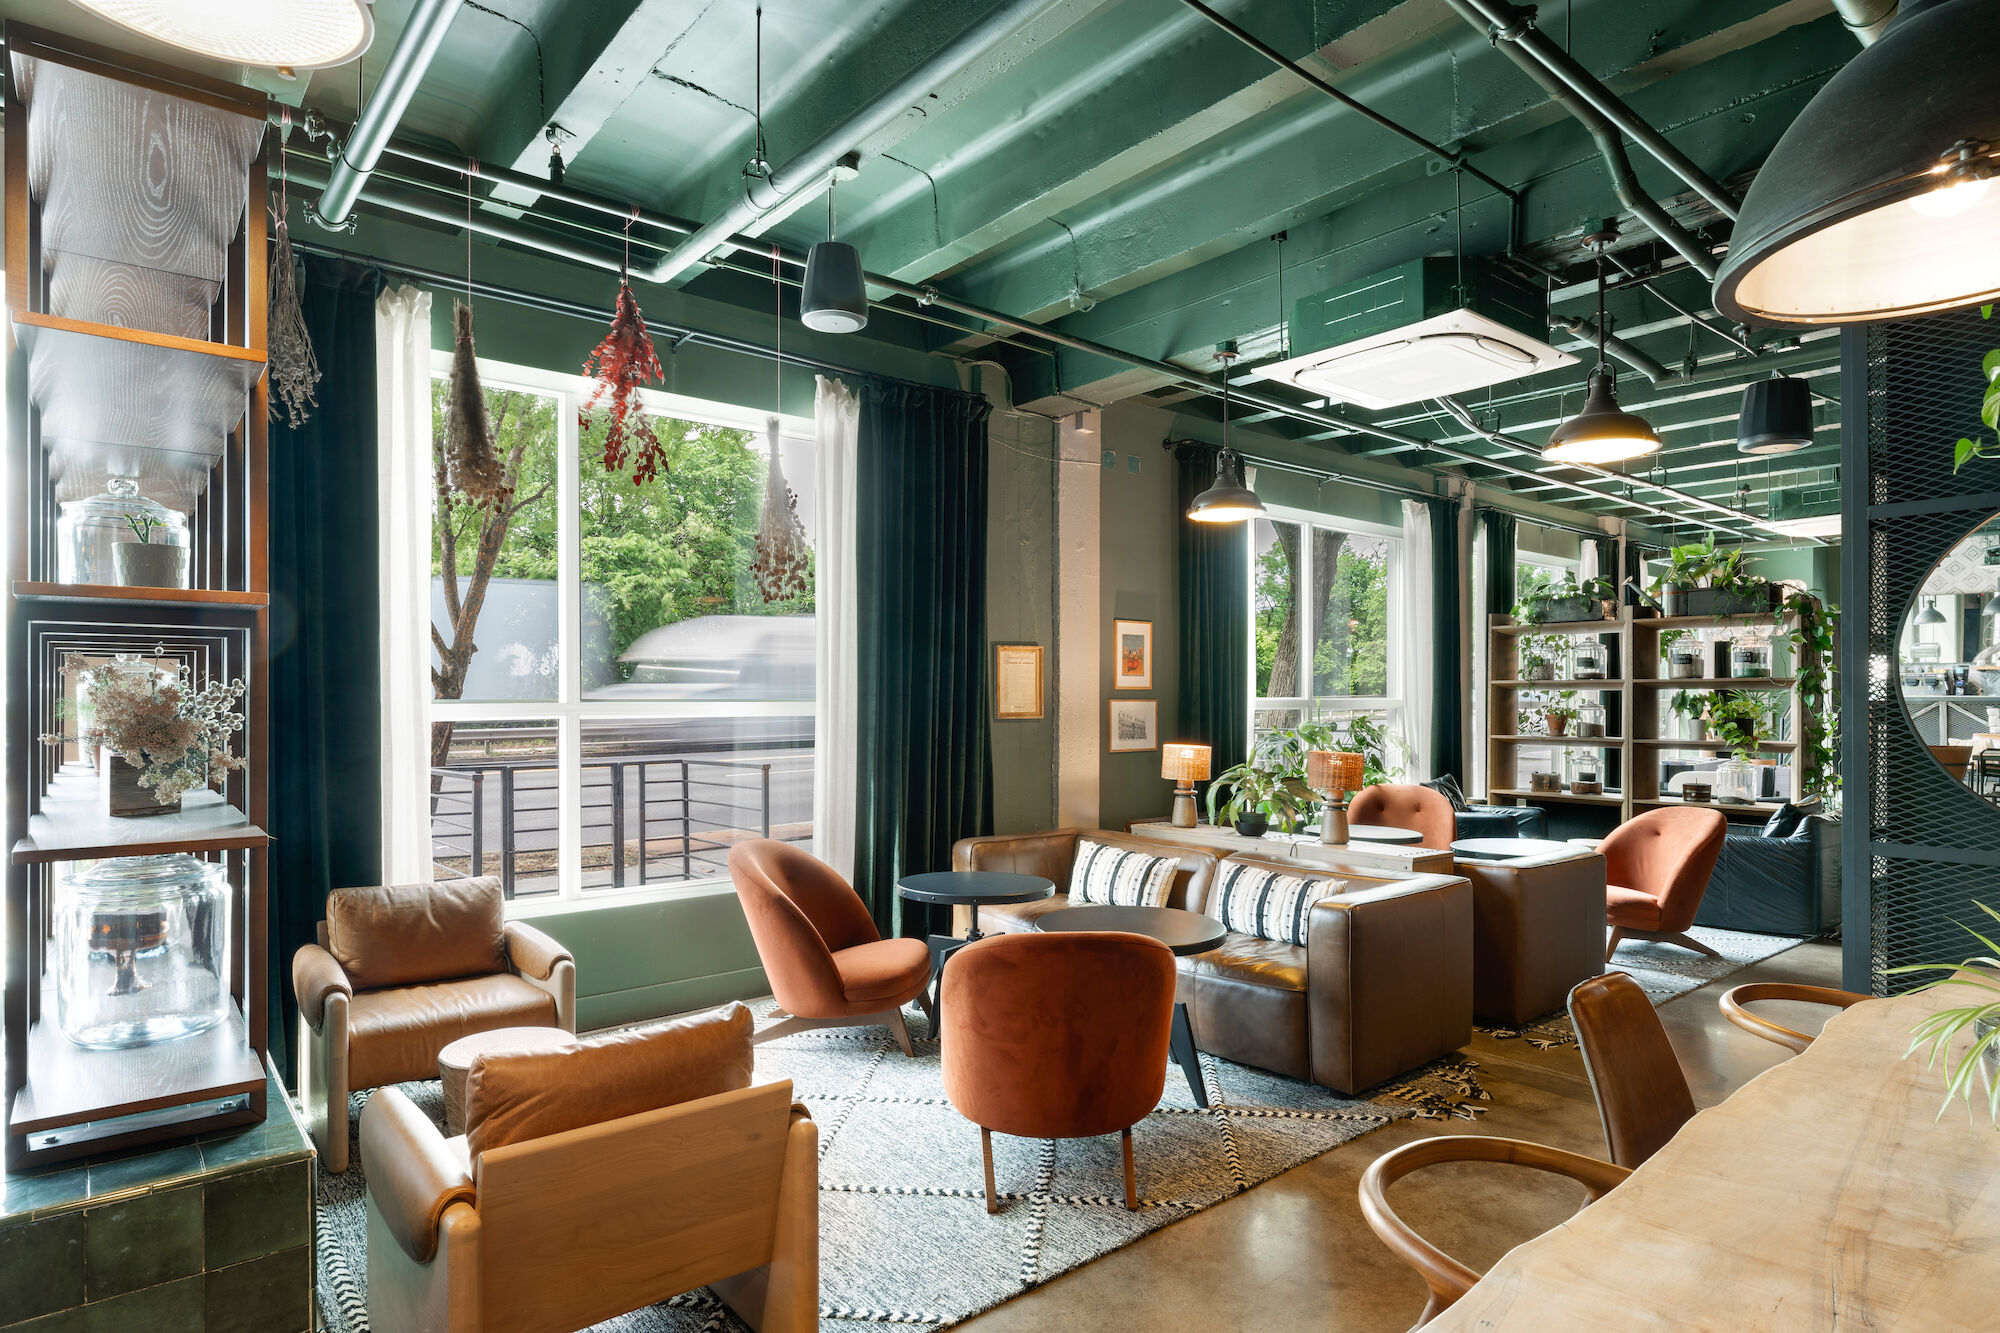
[1409,334]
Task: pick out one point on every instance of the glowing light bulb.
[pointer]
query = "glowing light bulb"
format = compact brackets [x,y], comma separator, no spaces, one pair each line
[1949,201]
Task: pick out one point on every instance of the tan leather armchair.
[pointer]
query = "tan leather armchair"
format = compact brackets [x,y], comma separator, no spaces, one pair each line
[1537,930]
[402,971]
[562,1206]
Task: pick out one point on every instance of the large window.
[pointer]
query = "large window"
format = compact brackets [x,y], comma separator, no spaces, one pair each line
[616,703]
[1322,599]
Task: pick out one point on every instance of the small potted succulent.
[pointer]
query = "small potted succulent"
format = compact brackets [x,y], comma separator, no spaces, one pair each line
[146,563]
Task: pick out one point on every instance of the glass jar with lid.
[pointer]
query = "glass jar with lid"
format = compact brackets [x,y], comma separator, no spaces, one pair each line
[91,536]
[1588,660]
[1585,772]
[1750,658]
[1735,782]
[1590,720]
[142,950]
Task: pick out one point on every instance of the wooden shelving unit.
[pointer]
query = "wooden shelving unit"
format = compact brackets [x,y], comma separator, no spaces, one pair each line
[1633,699]
[135,282]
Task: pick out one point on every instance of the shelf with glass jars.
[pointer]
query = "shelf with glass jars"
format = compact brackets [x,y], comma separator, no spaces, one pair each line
[135,1005]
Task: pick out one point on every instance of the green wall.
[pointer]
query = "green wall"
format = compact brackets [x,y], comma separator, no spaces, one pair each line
[640,960]
[1137,555]
[1020,608]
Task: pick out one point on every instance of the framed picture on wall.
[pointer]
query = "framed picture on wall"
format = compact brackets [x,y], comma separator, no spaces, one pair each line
[1017,681]
[1134,725]
[1131,654]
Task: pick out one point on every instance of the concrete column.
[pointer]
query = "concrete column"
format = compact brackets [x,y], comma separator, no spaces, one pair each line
[1079,622]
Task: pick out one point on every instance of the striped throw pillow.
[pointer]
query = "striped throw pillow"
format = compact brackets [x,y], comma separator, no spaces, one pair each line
[1120,876]
[1270,904]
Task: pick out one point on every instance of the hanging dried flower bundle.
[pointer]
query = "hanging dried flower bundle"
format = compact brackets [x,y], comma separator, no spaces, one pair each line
[294,368]
[475,466]
[783,553]
[620,364]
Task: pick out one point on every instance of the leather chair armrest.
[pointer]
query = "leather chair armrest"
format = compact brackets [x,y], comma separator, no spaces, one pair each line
[413,1174]
[316,974]
[533,953]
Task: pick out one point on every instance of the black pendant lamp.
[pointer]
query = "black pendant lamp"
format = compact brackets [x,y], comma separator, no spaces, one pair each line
[834,298]
[1228,500]
[1930,615]
[1875,203]
[1603,432]
[1776,417]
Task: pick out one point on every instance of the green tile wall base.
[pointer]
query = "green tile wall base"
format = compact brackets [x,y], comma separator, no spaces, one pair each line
[671,997]
[210,1236]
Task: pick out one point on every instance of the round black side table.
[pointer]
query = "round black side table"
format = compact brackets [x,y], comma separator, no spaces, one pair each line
[970,889]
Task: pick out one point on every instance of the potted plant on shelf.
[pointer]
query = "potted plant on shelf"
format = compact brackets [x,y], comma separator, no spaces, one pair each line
[1558,711]
[146,563]
[1688,706]
[1687,567]
[1539,655]
[1257,796]
[1545,599]
[1733,590]
[159,737]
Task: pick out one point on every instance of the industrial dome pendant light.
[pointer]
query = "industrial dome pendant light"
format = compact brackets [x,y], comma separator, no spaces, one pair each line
[1603,432]
[1930,615]
[1228,500]
[1776,416]
[280,34]
[834,298]
[1876,204]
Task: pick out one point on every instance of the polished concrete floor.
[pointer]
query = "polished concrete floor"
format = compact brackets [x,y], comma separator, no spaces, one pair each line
[1295,1253]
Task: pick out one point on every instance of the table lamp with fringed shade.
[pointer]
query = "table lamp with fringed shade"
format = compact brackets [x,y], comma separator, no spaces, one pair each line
[1333,774]
[1184,765]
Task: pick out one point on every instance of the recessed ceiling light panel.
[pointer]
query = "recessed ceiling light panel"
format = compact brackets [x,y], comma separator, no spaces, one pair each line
[299,34]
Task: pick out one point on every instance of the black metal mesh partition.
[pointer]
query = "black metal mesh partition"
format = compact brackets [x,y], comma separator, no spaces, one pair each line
[1919,847]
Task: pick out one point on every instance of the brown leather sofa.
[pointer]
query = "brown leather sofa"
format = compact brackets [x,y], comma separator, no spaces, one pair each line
[1537,930]
[402,971]
[1383,986]
[593,1181]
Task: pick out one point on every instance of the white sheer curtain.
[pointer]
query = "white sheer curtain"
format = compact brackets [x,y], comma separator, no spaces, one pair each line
[1418,599]
[837,415]
[1586,565]
[1475,760]
[403,483]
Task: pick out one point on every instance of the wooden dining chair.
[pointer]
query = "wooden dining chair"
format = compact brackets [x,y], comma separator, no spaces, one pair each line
[1447,1278]
[1955,758]
[1642,1095]
[1736,997]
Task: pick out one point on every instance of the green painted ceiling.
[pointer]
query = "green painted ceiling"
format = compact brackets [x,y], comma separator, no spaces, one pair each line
[1117,167]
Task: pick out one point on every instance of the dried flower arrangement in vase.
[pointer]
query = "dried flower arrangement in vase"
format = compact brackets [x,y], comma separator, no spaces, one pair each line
[621,364]
[784,556]
[160,737]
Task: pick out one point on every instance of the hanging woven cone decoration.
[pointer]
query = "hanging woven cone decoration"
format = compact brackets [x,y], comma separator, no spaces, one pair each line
[294,368]
[783,553]
[475,466]
[620,364]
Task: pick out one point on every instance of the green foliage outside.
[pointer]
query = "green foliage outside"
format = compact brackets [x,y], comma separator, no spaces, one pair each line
[677,547]
[1351,644]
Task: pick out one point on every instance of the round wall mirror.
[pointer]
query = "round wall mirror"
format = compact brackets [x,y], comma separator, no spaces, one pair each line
[1949,661]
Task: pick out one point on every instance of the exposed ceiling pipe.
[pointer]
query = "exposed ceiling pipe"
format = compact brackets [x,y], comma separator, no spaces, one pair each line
[1513,28]
[810,168]
[414,50]
[507,229]
[1579,327]
[1865,18]
[1624,183]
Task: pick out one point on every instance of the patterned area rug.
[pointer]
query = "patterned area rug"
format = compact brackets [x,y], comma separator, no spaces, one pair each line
[1665,972]
[904,1235]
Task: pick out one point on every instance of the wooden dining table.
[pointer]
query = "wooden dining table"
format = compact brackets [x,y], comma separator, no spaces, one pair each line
[1827,1193]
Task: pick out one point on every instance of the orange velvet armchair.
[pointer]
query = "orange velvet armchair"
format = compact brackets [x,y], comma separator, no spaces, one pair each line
[826,962]
[1656,869]
[1059,1036]
[1399,805]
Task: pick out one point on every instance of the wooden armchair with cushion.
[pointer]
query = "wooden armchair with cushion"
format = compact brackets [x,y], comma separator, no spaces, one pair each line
[402,971]
[594,1181]
[1642,1096]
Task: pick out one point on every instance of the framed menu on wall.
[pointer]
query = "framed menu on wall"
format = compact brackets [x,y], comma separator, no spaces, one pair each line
[1017,682]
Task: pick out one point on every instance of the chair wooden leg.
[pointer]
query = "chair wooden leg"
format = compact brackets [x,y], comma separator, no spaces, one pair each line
[786,1028]
[986,1153]
[1617,934]
[900,1031]
[1131,1172]
[1689,942]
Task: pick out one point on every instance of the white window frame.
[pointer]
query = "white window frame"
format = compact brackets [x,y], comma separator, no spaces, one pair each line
[569,708]
[1390,706]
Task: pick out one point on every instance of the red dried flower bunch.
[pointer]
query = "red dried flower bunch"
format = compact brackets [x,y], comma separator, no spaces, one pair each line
[620,364]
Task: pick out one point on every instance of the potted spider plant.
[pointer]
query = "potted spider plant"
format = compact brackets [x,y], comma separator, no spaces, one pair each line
[1979,1018]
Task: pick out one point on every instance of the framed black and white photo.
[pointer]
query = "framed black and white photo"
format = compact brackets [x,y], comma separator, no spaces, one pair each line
[1134,725]
[1131,654]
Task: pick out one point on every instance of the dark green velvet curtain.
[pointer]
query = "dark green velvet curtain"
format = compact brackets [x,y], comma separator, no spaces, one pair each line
[926,771]
[1214,603]
[1607,559]
[1498,527]
[1447,689]
[325,682]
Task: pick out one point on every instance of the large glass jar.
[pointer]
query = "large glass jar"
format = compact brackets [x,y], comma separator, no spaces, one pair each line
[1735,782]
[1749,658]
[1684,659]
[142,950]
[90,533]
[1588,660]
[1585,772]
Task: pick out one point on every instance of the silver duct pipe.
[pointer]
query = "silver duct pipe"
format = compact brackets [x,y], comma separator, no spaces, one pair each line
[378,120]
[1865,18]
[1579,327]
[1776,362]
[811,167]
[1513,28]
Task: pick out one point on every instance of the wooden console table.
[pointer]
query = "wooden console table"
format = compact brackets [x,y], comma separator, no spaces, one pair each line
[1380,859]
[1826,1193]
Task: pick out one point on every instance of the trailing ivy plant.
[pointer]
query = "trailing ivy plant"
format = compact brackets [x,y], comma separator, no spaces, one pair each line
[1811,640]
[1989,409]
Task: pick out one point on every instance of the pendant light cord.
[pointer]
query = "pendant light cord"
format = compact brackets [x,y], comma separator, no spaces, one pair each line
[1602,365]
[763,163]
